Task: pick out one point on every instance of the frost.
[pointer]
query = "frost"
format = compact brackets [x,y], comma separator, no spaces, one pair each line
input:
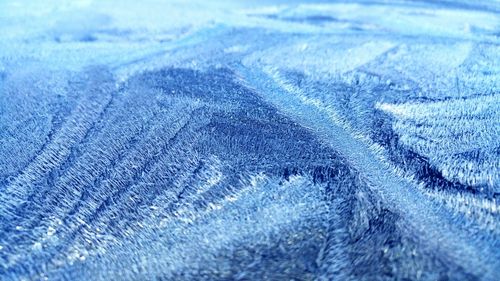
[265,140]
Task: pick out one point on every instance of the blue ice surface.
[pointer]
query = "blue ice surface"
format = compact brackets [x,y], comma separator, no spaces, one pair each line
[257,140]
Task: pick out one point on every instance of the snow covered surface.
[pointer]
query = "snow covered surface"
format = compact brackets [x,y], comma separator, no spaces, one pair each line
[257,140]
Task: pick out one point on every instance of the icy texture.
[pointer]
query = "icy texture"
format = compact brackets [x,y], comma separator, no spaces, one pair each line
[266,140]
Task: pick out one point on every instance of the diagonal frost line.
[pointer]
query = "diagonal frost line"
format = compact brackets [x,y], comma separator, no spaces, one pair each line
[114,188]
[426,220]
[63,199]
[25,209]
[55,127]
[72,132]
[124,185]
